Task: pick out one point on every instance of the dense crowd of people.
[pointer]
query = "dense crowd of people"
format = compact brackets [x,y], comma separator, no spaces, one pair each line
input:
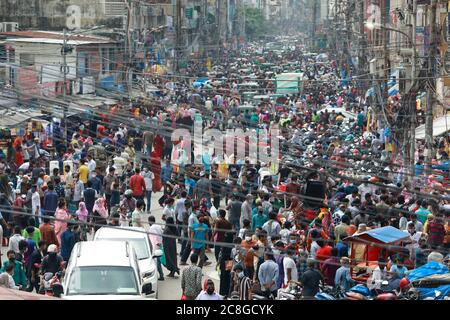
[267,231]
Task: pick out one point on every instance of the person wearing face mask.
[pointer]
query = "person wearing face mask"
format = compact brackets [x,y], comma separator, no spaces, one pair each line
[128,202]
[192,219]
[247,246]
[414,237]
[52,262]
[268,274]
[148,179]
[243,283]
[19,276]
[209,293]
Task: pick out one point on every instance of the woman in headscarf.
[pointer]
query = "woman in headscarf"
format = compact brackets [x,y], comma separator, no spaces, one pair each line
[82,216]
[99,213]
[170,247]
[61,217]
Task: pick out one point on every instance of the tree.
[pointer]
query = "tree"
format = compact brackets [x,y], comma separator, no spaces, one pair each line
[255,24]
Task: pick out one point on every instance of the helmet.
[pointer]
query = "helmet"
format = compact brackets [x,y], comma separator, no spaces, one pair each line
[128,193]
[404,282]
[52,248]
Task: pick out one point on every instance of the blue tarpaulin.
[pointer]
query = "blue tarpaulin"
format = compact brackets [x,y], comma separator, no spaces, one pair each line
[431,292]
[199,82]
[387,234]
[382,235]
[428,269]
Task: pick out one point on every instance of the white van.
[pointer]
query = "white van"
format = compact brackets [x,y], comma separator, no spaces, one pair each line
[140,241]
[106,270]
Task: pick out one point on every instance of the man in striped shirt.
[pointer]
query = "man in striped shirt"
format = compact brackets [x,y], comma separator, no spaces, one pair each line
[244,283]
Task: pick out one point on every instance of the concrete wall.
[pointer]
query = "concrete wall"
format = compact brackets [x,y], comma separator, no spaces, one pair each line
[56,14]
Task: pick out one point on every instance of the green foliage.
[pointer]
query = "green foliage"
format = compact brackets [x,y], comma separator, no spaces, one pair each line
[255,24]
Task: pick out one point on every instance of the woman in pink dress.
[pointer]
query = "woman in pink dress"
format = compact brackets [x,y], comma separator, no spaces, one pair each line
[99,213]
[61,217]
[82,215]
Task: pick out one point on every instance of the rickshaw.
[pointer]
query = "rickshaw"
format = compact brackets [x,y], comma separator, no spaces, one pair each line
[366,247]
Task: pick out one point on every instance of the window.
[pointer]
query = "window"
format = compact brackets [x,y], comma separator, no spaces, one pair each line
[103,280]
[83,64]
[27,59]
[139,245]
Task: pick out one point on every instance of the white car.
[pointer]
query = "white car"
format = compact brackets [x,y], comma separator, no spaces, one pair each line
[140,241]
[106,270]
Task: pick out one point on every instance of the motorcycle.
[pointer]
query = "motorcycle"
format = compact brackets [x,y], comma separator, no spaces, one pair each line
[329,293]
[289,293]
[52,284]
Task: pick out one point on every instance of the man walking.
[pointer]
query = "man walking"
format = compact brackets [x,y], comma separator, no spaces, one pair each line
[137,185]
[155,234]
[199,236]
[191,279]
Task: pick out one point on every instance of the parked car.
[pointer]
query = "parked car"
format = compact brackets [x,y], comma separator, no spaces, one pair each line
[104,270]
[140,241]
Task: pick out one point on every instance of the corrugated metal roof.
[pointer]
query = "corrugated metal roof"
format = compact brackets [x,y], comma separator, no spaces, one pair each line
[55,36]
[54,41]
[12,117]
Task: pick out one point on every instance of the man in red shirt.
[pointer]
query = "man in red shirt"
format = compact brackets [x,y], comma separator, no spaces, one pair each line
[137,184]
[436,232]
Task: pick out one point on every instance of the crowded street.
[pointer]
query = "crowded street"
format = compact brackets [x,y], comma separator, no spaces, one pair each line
[272,169]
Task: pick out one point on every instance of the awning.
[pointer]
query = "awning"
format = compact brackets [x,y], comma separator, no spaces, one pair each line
[10,118]
[440,126]
[392,85]
[386,235]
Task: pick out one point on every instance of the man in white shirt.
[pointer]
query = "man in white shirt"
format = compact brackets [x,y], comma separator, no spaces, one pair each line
[209,293]
[91,165]
[35,202]
[180,210]
[169,209]
[15,239]
[148,179]
[290,268]
[365,188]
[6,278]
[155,235]
[414,236]
[246,209]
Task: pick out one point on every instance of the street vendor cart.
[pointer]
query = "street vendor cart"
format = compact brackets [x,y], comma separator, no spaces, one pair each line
[366,247]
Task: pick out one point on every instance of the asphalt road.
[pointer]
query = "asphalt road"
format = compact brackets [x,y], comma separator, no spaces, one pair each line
[170,288]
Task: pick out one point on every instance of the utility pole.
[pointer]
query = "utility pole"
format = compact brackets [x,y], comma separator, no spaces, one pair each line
[65,107]
[178,42]
[313,28]
[128,51]
[361,49]
[430,90]
[386,71]
[412,142]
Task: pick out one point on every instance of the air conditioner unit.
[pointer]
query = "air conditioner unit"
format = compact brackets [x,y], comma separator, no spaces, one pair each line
[406,51]
[9,26]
